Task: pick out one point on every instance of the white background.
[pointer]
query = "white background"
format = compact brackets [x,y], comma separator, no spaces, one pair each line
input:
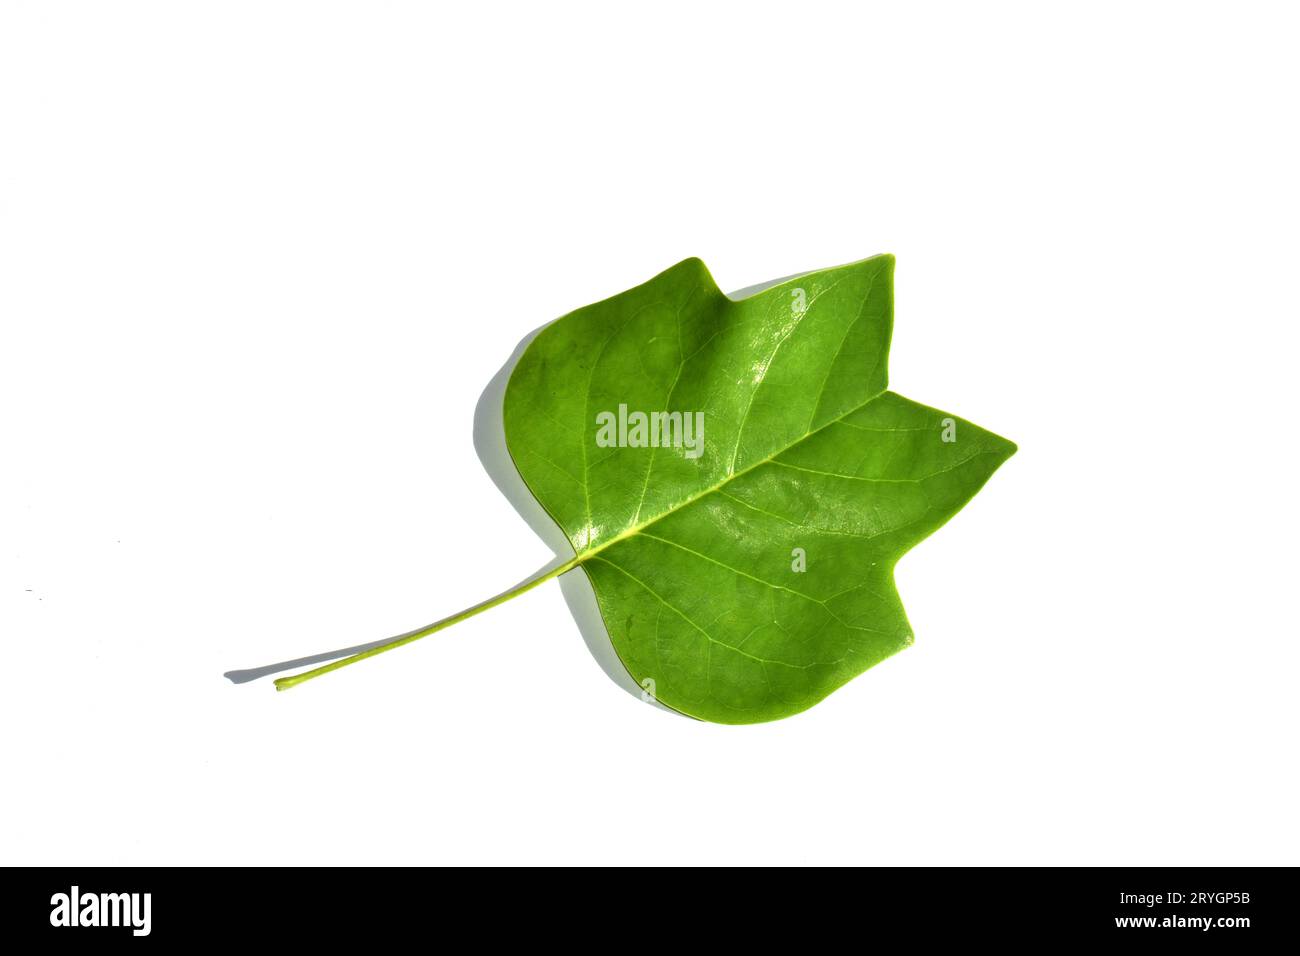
[257,262]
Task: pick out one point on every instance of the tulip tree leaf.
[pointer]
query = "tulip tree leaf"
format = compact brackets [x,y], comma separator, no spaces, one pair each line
[744,570]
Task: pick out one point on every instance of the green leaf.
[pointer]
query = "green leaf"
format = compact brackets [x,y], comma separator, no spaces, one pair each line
[742,548]
[692,558]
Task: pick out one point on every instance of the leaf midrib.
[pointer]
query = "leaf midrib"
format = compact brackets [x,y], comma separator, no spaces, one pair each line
[580,557]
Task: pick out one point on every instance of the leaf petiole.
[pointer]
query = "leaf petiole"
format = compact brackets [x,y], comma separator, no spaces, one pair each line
[284,683]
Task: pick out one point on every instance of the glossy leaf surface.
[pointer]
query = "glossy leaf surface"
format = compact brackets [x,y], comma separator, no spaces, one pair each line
[748,575]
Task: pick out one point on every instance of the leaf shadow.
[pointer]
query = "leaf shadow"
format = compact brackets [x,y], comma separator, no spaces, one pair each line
[490,446]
